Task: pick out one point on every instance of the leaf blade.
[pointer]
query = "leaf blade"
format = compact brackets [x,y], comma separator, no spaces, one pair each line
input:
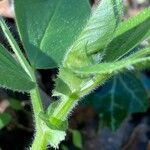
[97,33]
[101,26]
[5,118]
[129,34]
[123,95]
[77,138]
[12,75]
[43,32]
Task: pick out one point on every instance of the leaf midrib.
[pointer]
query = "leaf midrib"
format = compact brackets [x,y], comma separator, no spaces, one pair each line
[112,104]
[50,21]
[130,91]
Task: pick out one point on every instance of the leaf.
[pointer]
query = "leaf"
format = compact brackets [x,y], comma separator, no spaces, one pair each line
[129,34]
[122,96]
[51,29]
[63,147]
[76,138]
[134,61]
[16,49]
[15,104]
[50,136]
[57,137]
[12,76]
[97,33]
[5,118]
[101,26]
[106,16]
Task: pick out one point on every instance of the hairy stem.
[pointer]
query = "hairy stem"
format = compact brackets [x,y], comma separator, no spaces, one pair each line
[39,138]
[36,104]
[66,105]
[40,142]
[64,108]
[96,82]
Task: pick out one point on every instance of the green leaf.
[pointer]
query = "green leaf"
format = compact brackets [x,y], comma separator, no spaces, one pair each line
[5,118]
[122,96]
[48,28]
[76,138]
[15,104]
[12,76]
[97,33]
[128,35]
[16,49]
[63,147]
[134,61]
[101,26]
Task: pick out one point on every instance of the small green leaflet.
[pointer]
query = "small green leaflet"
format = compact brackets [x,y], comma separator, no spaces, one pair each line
[48,28]
[5,118]
[117,99]
[134,61]
[77,138]
[15,104]
[12,76]
[64,147]
[129,34]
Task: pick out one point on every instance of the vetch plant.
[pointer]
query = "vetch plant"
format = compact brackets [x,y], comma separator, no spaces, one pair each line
[89,47]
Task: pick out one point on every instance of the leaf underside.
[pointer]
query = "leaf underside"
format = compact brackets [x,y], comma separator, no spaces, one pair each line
[12,76]
[122,96]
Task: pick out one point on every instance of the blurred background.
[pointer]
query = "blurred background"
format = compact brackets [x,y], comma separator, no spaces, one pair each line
[97,123]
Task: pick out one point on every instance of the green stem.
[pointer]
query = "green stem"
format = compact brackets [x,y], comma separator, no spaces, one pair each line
[36,104]
[97,81]
[66,105]
[39,142]
[64,108]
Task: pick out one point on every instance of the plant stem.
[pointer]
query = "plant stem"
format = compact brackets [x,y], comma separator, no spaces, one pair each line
[36,104]
[40,142]
[36,100]
[66,105]
[97,81]
[64,108]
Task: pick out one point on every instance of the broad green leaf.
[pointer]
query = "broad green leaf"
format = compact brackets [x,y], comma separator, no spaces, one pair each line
[129,34]
[119,98]
[12,76]
[48,28]
[134,61]
[5,118]
[77,139]
[97,33]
